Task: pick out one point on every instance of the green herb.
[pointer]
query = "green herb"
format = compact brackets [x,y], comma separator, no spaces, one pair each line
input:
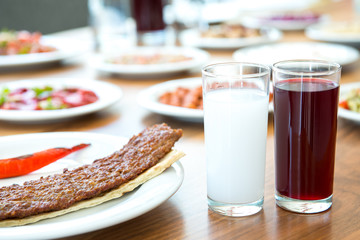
[3,44]
[42,91]
[24,50]
[4,95]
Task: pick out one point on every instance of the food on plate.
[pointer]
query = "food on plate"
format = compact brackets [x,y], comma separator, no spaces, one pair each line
[351,101]
[230,30]
[184,97]
[45,98]
[346,28]
[22,42]
[17,166]
[145,156]
[145,59]
[187,97]
[293,16]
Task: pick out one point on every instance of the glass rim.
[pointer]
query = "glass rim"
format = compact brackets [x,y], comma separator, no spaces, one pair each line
[337,67]
[245,76]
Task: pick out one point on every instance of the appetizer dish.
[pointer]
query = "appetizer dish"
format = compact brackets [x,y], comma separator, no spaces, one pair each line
[271,53]
[22,49]
[344,28]
[230,30]
[187,97]
[288,20]
[293,16]
[156,58]
[351,101]
[22,42]
[181,99]
[340,32]
[45,98]
[104,179]
[38,100]
[150,62]
[229,36]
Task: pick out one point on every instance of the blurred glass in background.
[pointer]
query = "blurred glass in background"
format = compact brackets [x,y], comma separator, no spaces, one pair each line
[112,24]
[125,23]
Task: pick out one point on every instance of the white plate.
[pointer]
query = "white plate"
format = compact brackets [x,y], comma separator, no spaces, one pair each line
[272,53]
[143,199]
[199,58]
[258,20]
[344,113]
[149,99]
[324,32]
[192,38]
[108,94]
[66,48]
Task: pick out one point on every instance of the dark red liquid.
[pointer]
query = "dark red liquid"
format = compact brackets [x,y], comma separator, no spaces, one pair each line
[148,15]
[305,125]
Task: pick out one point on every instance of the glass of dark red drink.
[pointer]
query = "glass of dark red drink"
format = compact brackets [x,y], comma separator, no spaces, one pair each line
[149,16]
[306,96]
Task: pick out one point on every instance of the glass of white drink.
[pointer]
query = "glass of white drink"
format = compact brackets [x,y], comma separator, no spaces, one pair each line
[236,102]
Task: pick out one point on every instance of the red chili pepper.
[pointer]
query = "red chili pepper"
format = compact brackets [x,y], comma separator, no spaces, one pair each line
[22,165]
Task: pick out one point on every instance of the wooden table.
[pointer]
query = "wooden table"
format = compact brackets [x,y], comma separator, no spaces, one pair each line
[185,215]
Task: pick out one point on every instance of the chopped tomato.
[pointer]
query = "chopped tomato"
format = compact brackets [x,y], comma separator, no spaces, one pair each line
[344,104]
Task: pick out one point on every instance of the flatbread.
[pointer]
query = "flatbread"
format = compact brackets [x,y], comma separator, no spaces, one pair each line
[152,172]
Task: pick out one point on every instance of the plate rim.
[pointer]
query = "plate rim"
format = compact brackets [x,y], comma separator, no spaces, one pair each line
[353,50]
[31,229]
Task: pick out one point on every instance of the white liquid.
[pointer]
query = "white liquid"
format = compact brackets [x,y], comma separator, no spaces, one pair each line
[235,143]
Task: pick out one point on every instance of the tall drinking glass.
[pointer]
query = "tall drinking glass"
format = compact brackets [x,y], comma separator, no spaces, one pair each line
[306,96]
[236,102]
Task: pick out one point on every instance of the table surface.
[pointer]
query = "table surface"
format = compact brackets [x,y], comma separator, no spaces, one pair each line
[185,215]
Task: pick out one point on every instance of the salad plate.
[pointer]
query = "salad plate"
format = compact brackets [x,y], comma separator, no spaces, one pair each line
[108,94]
[65,48]
[345,113]
[141,200]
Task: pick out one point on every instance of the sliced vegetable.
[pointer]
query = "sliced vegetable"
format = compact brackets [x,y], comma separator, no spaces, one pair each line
[13,167]
[45,98]
[344,104]
[351,101]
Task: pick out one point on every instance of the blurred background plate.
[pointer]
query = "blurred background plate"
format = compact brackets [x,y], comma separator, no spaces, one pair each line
[192,37]
[66,48]
[337,32]
[287,20]
[344,113]
[272,53]
[198,58]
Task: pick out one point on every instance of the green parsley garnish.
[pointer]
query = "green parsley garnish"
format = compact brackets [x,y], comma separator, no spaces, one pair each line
[4,95]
